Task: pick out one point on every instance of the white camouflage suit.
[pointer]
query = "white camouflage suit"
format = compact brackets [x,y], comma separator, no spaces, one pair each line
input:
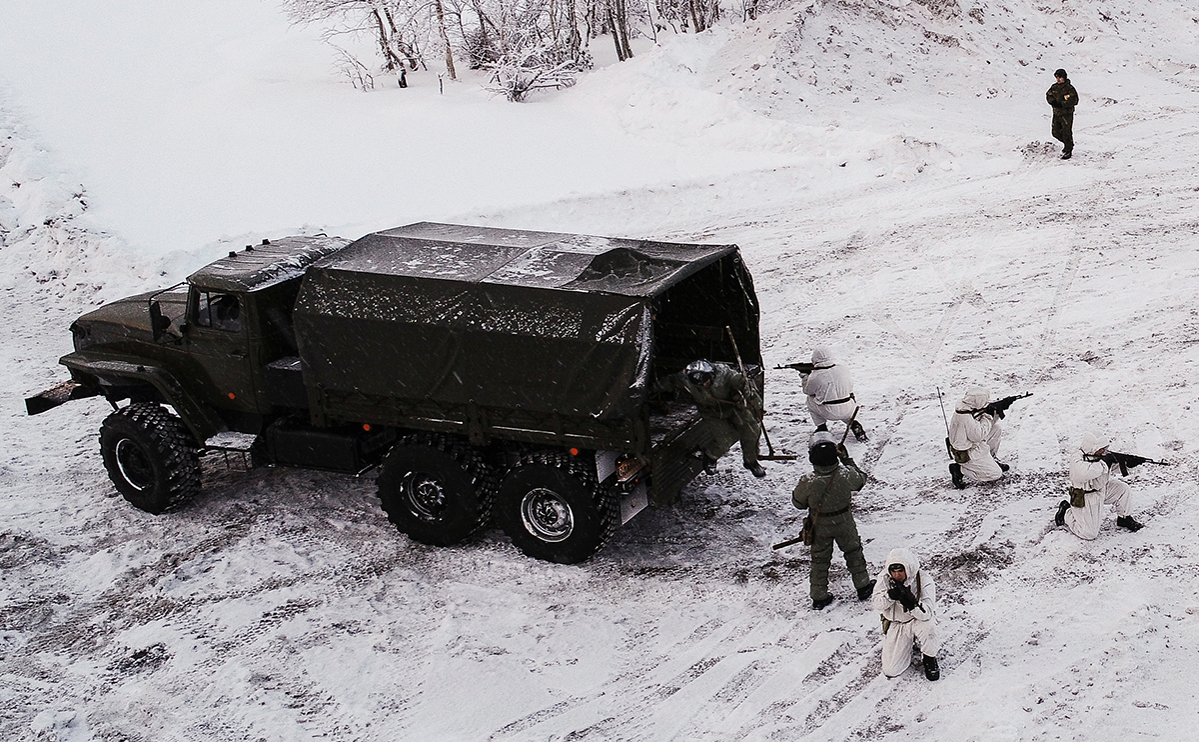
[829,389]
[1095,478]
[980,435]
[919,625]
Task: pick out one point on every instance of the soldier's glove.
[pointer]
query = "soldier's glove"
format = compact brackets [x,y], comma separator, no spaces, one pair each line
[843,453]
[903,594]
[1108,459]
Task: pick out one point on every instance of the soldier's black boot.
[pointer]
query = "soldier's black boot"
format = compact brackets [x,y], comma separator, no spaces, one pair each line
[709,462]
[955,471]
[865,591]
[819,604]
[1127,521]
[756,469]
[1003,467]
[932,670]
[1062,507]
[1066,155]
[858,431]
[822,428]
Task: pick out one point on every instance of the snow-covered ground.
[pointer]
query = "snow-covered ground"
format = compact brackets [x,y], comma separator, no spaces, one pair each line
[887,170]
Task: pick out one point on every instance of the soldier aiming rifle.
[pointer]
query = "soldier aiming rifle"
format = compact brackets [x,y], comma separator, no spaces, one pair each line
[974,434]
[1092,486]
[829,390]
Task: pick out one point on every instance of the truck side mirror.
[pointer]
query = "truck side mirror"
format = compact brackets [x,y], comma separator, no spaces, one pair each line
[158,322]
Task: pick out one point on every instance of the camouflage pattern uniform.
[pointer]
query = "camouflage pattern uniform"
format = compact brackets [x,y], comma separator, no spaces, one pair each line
[834,502]
[730,407]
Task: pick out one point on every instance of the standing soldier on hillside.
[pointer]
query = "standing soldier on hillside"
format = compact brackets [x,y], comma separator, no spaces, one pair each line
[974,435]
[829,389]
[1091,487]
[827,495]
[729,405]
[1063,97]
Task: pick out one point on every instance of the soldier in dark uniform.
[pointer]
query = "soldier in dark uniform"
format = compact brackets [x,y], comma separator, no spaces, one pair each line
[1063,97]
[827,494]
[729,405]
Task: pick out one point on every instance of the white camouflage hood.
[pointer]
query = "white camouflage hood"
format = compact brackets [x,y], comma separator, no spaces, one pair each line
[909,561]
[822,357]
[976,399]
[1091,443]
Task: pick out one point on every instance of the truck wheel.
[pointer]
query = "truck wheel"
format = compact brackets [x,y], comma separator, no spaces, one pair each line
[436,490]
[151,457]
[552,509]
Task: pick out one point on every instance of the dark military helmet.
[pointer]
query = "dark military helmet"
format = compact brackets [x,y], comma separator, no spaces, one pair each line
[700,372]
[1060,73]
[822,450]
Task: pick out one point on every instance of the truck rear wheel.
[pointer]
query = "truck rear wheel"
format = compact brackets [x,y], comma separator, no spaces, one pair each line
[552,509]
[150,457]
[436,490]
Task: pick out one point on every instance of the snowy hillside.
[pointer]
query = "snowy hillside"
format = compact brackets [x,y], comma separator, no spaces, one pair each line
[887,170]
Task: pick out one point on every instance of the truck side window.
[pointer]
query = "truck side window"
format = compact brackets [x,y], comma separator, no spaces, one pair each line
[219,311]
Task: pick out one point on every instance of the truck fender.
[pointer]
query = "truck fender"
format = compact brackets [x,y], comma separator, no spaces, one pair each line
[199,419]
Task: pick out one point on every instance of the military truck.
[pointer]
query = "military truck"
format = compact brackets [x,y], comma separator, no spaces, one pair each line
[485,372]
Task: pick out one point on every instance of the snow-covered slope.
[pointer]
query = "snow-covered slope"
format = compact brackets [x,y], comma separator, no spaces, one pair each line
[886,168]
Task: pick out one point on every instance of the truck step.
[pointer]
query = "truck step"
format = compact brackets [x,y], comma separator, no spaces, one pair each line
[228,440]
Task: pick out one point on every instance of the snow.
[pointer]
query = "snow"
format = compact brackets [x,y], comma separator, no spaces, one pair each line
[887,171]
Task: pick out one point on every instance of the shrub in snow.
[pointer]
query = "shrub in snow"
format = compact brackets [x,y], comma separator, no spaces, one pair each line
[515,76]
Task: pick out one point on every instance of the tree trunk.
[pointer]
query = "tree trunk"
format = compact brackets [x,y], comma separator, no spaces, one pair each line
[697,18]
[445,39]
[391,60]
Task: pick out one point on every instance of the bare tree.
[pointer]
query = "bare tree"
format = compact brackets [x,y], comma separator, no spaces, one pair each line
[385,20]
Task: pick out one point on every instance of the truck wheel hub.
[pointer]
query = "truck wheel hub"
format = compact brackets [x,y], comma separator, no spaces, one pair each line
[133,464]
[546,515]
[426,495]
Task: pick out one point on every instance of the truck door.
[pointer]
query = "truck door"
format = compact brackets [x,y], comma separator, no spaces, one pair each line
[218,341]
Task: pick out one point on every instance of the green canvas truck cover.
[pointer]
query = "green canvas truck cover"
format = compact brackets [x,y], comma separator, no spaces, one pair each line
[532,321]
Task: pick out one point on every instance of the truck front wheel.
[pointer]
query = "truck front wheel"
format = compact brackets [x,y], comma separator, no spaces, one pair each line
[436,490]
[554,511]
[150,457]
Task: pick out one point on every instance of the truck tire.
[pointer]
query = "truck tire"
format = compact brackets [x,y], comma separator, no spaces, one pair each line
[150,457]
[553,509]
[435,489]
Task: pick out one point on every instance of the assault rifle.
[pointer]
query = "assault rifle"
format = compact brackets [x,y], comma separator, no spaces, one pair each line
[1125,461]
[803,368]
[999,406]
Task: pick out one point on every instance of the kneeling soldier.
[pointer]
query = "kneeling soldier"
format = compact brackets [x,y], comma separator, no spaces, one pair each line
[1091,487]
[907,600]
[974,435]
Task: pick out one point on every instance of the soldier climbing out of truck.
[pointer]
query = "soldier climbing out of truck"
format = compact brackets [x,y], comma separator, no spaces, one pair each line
[729,405]
[490,375]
